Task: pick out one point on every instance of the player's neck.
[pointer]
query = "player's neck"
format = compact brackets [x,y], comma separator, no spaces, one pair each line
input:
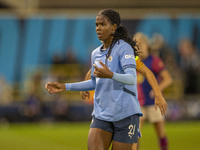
[143,57]
[107,43]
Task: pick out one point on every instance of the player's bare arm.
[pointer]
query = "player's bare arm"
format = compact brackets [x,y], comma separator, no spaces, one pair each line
[159,99]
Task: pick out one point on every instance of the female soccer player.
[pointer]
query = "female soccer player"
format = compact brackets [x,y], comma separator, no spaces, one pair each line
[145,93]
[113,76]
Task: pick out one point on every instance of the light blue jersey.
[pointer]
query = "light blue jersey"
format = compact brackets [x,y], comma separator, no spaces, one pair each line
[113,100]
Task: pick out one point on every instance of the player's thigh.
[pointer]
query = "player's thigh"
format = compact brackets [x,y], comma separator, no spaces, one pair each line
[135,146]
[122,146]
[154,115]
[126,130]
[99,139]
[141,122]
[144,116]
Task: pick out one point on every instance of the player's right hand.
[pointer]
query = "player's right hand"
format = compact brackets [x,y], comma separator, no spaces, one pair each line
[54,87]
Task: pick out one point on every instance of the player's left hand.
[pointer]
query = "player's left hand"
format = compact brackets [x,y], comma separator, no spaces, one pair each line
[102,72]
[161,103]
[85,94]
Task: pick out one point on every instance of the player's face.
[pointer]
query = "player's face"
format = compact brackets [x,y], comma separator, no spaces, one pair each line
[144,47]
[104,28]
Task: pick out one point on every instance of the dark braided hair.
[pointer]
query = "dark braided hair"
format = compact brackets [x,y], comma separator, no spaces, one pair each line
[120,32]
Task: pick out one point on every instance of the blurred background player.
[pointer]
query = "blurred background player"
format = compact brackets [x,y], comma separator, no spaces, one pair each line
[146,94]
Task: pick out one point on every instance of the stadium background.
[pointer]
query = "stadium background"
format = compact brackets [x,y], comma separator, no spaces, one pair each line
[49,40]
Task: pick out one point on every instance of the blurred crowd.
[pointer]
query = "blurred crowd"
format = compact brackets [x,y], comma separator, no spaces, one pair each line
[28,100]
[183,65]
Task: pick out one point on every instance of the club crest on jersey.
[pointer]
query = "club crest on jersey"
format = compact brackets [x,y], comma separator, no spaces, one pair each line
[110,58]
[129,56]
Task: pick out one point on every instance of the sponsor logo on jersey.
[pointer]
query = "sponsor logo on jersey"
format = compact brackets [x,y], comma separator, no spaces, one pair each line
[129,56]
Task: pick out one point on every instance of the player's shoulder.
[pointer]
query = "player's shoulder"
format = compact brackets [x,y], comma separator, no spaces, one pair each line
[121,45]
[96,50]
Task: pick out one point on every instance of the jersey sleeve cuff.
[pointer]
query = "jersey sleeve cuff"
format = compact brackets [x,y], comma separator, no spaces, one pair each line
[67,86]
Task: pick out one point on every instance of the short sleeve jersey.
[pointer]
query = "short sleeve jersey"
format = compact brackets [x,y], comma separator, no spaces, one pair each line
[156,65]
[113,100]
[139,64]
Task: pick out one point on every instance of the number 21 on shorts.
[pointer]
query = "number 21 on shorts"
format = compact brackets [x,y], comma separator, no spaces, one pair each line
[131,131]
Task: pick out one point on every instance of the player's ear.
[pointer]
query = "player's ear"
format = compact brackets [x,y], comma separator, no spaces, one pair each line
[114,27]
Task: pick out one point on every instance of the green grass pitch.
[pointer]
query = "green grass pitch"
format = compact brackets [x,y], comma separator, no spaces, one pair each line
[73,136]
